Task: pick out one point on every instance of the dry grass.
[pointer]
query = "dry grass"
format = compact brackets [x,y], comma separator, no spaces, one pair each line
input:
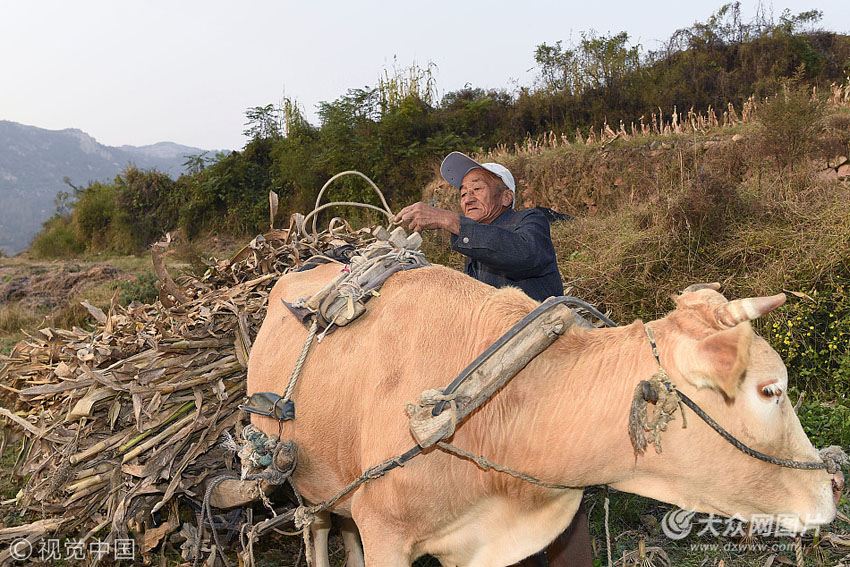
[651,222]
[13,318]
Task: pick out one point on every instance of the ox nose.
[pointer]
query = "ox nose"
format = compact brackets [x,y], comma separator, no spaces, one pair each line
[837,486]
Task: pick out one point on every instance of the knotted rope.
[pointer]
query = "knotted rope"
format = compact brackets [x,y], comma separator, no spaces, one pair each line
[284,452]
[660,391]
[834,457]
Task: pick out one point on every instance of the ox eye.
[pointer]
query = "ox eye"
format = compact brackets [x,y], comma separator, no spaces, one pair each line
[772,390]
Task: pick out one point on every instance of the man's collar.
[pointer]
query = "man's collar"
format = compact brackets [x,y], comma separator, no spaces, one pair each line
[504,217]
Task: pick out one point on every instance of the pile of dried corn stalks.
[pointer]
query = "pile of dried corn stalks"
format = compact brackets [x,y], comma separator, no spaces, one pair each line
[124,421]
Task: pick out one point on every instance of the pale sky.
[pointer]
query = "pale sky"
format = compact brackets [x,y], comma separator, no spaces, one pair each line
[185,71]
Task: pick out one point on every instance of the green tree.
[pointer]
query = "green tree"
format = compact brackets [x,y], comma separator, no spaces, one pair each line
[558,67]
[195,163]
[263,122]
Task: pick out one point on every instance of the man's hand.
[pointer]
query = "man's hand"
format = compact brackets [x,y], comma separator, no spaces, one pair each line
[419,217]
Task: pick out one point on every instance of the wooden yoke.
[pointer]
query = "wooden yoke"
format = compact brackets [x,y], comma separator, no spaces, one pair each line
[486,376]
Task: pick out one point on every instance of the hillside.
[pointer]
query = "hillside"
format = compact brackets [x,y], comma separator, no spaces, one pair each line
[397,131]
[34,162]
[654,211]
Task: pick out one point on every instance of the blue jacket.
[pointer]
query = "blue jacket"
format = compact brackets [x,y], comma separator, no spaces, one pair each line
[515,249]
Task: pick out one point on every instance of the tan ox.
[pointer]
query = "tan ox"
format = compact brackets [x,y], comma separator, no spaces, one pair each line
[562,419]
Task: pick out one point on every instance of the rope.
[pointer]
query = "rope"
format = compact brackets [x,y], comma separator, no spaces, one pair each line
[273,475]
[607,528]
[303,516]
[207,516]
[298,365]
[665,398]
[312,213]
[352,172]
[487,464]
[386,210]
[285,451]
[798,549]
[803,465]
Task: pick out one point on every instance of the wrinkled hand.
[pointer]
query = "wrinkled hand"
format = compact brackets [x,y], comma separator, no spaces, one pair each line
[419,217]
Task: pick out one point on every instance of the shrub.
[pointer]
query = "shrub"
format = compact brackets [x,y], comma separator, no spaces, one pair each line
[790,123]
[143,289]
[705,207]
[57,239]
[142,213]
[93,213]
[835,140]
[825,422]
[194,216]
[811,334]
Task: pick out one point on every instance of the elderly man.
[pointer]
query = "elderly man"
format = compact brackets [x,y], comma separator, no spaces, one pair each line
[503,247]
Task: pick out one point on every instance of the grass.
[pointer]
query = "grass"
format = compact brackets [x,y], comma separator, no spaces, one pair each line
[9,485]
[633,518]
[634,257]
[13,318]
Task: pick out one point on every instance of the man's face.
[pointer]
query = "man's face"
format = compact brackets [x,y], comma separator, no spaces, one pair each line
[480,199]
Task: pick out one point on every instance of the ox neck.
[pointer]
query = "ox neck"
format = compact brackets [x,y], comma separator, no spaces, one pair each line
[572,402]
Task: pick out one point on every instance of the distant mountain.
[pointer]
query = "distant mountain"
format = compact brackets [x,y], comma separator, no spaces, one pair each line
[168,152]
[34,162]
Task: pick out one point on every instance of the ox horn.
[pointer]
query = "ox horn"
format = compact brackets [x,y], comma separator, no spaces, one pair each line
[698,286]
[747,309]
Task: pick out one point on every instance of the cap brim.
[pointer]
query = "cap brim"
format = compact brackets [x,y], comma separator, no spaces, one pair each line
[455,167]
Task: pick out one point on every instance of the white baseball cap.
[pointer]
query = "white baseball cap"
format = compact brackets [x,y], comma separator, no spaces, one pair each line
[456,165]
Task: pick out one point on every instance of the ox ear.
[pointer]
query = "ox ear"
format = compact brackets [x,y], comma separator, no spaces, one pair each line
[698,286]
[720,360]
